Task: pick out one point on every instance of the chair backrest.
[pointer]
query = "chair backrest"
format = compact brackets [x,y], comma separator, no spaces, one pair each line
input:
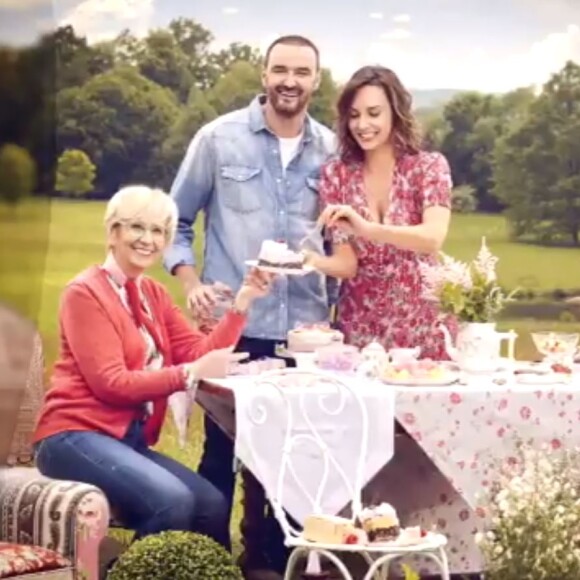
[21,449]
[20,349]
[307,397]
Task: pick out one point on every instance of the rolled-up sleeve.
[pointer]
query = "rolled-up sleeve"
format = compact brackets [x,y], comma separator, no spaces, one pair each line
[191,191]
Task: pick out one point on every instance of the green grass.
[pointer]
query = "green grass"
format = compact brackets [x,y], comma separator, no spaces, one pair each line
[45,243]
[520,265]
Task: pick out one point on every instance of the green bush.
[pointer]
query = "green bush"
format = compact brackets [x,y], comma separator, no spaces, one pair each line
[75,173]
[17,173]
[175,556]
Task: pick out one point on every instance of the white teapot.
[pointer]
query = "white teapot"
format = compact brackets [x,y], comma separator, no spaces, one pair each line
[478,346]
[373,356]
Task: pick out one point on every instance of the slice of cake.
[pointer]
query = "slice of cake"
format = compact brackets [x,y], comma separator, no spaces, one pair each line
[279,255]
[381,523]
[332,530]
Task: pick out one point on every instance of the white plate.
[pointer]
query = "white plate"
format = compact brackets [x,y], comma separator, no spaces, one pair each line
[448,379]
[281,271]
[543,379]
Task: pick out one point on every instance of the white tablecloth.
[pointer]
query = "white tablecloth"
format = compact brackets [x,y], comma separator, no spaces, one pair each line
[261,425]
[457,433]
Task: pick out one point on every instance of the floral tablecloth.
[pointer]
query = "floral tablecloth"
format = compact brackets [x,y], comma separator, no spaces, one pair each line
[455,435]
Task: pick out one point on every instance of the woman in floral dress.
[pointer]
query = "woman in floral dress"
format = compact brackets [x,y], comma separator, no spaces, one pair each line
[387,208]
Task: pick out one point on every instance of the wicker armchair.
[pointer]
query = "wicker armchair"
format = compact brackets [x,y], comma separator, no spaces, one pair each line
[49,529]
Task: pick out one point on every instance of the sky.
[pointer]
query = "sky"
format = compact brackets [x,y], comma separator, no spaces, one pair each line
[486,45]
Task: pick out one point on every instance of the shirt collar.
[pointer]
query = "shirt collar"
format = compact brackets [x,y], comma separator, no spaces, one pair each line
[115,272]
[258,120]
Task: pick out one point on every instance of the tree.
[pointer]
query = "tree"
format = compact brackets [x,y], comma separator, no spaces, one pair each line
[219,63]
[17,173]
[195,40]
[75,173]
[459,145]
[195,115]
[463,199]
[76,61]
[120,119]
[474,122]
[162,60]
[236,88]
[537,164]
[323,106]
[433,127]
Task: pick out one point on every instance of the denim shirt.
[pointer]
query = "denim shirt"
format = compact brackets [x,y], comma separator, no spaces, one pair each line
[233,172]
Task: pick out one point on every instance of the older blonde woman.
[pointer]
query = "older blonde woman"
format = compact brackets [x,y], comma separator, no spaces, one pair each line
[125,347]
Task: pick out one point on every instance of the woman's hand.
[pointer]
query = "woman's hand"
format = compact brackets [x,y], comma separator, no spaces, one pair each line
[311,258]
[345,218]
[256,284]
[215,364]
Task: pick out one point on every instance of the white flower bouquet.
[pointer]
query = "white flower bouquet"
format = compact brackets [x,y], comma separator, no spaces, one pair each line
[533,517]
[469,291]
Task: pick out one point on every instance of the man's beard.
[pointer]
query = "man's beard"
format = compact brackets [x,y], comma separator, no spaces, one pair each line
[288,108]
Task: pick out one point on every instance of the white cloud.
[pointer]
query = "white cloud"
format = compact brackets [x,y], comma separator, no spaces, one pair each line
[229,10]
[24,4]
[549,54]
[396,34]
[103,19]
[402,18]
[477,69]
[376,15]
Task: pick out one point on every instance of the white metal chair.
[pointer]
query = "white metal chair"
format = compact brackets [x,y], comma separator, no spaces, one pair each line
[331,394]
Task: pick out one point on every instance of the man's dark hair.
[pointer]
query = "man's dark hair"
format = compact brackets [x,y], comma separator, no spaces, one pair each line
[294,40]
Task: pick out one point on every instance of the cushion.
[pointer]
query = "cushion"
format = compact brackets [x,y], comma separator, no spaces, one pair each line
[17,560]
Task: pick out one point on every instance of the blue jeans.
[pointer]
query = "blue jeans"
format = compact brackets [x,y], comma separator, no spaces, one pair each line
[149,491]
[262,536]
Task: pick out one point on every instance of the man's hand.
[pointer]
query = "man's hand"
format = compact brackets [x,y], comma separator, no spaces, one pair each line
[201,298]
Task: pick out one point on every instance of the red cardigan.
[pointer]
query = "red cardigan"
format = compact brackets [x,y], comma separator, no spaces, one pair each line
[98,383]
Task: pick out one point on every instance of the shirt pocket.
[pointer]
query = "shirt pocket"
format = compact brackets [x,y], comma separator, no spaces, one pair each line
[240,188]
[307,204]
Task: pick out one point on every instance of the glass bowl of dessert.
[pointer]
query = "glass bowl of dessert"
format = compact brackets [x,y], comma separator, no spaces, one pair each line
[556,347]
[337,357]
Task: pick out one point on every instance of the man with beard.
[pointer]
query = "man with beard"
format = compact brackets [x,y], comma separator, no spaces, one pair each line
[254,172]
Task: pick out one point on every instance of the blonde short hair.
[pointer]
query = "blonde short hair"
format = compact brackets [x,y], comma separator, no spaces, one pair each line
[146,203]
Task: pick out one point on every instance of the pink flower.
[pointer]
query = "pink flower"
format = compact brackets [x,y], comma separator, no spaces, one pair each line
[525,413]
[485,263]
[455,398]
[448,271]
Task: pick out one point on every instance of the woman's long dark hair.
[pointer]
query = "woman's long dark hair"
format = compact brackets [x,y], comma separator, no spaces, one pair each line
[406,137]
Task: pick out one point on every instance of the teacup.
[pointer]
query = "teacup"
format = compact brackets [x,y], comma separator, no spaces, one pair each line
[404,355]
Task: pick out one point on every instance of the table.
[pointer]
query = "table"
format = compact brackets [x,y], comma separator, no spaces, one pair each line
[454,434]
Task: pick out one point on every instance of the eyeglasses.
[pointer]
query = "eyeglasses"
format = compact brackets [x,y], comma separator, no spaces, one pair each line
[139,229]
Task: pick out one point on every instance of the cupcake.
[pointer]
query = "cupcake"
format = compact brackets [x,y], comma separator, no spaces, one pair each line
[380,523]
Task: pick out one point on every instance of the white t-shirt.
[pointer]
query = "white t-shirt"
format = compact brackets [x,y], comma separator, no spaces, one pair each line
[288,148]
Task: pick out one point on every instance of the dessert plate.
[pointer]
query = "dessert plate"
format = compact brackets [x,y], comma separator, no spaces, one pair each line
[447,379]
[542,379]
[281,271]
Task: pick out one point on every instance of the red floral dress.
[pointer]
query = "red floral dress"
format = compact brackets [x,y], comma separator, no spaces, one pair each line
[384,301]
